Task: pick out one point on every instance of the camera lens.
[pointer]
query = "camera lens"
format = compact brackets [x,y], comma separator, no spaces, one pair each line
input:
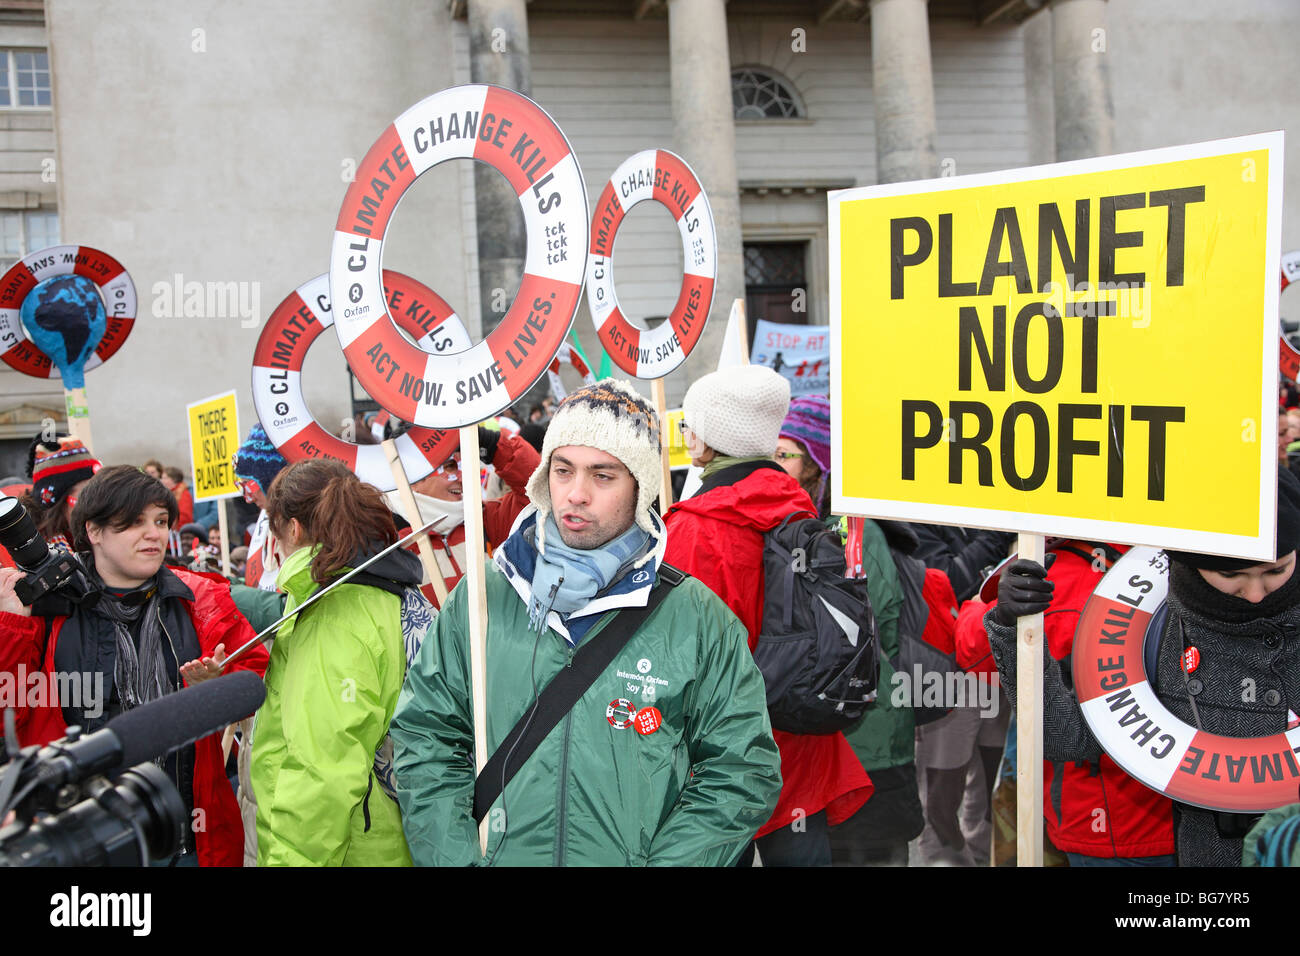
[19,536]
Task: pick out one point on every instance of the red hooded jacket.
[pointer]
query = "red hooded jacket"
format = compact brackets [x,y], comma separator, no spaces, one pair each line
[1097,809]
[220,839]
[717,536]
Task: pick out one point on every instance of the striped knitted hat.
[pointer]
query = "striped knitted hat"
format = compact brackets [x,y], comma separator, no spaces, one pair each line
[258,459]
[809,423]
[611,416]
[56,465]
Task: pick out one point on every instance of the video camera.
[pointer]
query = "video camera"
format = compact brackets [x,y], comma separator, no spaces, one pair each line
[47,571]
[99,800]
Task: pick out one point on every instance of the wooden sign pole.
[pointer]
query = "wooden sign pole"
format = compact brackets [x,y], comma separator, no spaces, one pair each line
[78,416]
[1029,723]
[475,572]
[416,519]
[661,408]
[225,536]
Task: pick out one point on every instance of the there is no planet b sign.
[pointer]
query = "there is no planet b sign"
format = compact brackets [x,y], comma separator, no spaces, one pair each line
[1085,349]
[516,137]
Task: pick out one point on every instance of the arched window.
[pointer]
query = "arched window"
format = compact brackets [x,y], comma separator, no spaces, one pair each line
[761,94]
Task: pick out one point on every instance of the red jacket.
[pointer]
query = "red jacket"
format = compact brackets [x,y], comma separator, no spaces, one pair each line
[717,536]
[1099,810]
[220,841]
[184,505]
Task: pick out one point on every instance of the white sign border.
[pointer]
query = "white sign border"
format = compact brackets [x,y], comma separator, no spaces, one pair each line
[1262,546]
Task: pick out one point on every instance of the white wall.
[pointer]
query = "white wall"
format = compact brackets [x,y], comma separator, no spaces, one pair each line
[1186,71]
[210,140]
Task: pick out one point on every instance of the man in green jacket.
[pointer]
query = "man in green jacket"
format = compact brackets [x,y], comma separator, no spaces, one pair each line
[668,757]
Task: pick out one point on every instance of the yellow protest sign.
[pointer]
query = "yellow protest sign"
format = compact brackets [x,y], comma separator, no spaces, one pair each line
[214,436]
[678,457]
[1086,349]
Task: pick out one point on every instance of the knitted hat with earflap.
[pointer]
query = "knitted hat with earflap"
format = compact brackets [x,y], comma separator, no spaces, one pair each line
[257,458]
[612,417]
[809,423]
[738,411]
[56,465]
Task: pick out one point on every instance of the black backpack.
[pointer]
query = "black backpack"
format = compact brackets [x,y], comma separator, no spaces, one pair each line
[818,649]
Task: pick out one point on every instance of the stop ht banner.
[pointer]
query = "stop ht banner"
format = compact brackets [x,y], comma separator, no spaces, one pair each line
[1084,349]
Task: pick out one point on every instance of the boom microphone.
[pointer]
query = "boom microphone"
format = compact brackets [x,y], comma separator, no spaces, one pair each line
[144,733]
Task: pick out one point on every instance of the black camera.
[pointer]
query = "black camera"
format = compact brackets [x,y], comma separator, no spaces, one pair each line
[47,571]
[126,822]
[100,799]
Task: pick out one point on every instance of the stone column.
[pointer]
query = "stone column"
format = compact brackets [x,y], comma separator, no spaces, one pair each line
[902,90]
[1085,117]
[498,54]
[1039,98]
[705,135]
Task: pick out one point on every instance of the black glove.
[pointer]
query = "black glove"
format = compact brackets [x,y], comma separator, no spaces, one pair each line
[1023,590]
[487,443]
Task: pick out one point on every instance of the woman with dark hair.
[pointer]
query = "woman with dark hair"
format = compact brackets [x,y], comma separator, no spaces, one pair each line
[151,630]
[335,673]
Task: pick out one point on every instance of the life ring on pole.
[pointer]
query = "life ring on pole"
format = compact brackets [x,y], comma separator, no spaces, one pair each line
[516,137]
[277,387]
[567,355]
[1127,609]
[1288,355]
[664,177]
[24,277]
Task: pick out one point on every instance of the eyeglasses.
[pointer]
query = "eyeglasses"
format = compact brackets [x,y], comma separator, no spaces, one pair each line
[788,455]
[449,467]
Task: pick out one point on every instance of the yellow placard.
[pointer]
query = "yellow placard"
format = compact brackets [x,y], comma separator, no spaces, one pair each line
[1086,349]
[678,457]
[214,436]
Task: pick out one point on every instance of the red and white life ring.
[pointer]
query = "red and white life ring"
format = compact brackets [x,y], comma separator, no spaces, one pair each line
[1243,774]
[277,388]
[569,356]
[115,288]
[516,137]
[664,177]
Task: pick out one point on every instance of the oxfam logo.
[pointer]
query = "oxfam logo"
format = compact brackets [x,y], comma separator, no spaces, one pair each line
[643,665]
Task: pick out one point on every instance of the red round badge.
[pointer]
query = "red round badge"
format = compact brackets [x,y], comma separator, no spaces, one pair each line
[647,720]
[1191,659]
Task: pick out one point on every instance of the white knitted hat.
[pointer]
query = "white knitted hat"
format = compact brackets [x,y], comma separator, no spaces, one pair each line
[611,416]
[738,411]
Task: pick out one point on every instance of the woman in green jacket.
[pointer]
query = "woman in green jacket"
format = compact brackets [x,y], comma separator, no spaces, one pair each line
[335,673]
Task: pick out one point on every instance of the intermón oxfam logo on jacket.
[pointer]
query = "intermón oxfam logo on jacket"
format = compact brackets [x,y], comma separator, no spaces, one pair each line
[638,680]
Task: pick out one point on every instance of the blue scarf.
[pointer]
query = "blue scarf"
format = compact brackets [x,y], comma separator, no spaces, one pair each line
[565,578]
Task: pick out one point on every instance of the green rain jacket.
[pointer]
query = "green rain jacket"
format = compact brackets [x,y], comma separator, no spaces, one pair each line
[595,792]
[335,674]
[885,737]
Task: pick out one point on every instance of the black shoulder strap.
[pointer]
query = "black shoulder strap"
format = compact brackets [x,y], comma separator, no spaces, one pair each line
[564,690]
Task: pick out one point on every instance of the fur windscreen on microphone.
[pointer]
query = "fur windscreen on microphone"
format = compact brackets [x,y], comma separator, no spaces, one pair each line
[161,726]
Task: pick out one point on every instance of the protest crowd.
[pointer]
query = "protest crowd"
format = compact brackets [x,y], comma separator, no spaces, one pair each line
[800,620]
[577,549]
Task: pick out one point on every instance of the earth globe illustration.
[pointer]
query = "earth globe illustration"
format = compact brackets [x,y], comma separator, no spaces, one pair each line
[65,318]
